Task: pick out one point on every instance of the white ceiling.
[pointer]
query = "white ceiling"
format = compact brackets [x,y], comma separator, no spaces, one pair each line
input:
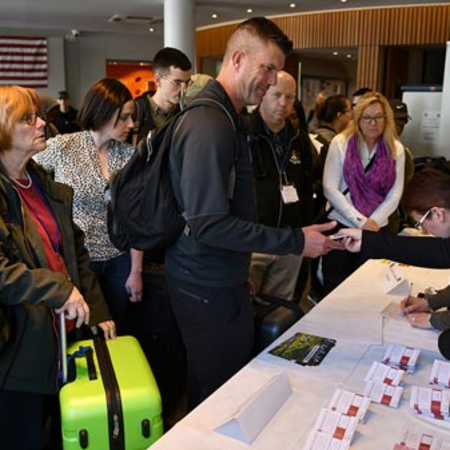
[88,16]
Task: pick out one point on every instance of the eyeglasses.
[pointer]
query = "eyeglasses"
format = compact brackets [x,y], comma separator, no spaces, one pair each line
[419,223]
[31,119]
[179,83]
[369,119]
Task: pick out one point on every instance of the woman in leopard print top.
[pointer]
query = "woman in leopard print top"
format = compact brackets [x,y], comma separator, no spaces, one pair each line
[85,160]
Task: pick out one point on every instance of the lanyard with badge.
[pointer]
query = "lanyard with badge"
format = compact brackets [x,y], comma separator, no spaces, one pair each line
[289,193]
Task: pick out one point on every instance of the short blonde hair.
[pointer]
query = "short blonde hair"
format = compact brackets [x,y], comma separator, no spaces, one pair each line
[389,133]
[15,102]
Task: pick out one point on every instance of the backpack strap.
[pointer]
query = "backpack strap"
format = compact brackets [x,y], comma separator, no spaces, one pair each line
[215,104]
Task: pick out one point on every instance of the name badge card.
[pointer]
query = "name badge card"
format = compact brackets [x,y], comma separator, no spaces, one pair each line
[289,194]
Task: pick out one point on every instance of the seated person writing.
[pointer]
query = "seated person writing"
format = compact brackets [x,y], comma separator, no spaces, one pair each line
[423,312]
[427,200]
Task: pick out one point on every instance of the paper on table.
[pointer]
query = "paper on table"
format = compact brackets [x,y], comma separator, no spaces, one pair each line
[394,281]
[185,438]
[361,327]
[251,418]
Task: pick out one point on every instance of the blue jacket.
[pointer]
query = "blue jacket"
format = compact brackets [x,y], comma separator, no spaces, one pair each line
[222,230]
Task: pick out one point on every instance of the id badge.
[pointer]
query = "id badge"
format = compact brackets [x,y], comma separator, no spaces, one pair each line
[289,194]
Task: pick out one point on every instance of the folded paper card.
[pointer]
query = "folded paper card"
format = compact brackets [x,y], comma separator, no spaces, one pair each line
[251,418]
[394,280]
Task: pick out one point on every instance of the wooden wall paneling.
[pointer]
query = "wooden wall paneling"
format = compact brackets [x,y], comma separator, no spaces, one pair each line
[362,28]
[368,67]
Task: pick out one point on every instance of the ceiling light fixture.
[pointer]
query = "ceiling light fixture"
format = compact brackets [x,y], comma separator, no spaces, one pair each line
[249,10]
[292,5]
[214,16]
[151,29]
[335,53]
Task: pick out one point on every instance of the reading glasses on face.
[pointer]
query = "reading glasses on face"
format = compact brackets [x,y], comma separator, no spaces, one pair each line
[179,83]
[419,223]
[369,119]
[31,119]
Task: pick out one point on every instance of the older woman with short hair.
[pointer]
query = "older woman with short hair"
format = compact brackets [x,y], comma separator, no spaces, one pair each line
[44,270]
[363,178]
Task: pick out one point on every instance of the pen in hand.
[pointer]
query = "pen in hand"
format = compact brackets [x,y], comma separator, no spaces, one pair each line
[406,301]
[409,292]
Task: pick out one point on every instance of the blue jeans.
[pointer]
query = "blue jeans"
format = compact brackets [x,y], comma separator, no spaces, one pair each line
[112,275]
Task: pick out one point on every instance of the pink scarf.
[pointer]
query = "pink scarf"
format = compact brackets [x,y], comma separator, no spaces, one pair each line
[368,189]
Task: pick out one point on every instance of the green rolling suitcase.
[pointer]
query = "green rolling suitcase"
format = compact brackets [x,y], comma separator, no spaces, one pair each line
[113,401]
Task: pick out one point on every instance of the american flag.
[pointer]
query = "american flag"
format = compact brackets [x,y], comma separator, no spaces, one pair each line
[23,61]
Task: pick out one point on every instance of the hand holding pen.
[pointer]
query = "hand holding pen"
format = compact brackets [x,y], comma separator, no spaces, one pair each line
[412,304]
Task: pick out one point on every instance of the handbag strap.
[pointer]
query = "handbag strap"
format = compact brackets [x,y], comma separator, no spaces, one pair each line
[347,189]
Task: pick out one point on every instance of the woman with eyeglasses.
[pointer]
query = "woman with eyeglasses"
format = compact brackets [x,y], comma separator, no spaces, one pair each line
[427,200]
[85,160]
[44,270]
[363,178]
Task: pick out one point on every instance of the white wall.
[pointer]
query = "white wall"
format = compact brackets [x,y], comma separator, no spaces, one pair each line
[75,66]
[86,58]
[444,130]
[56,70]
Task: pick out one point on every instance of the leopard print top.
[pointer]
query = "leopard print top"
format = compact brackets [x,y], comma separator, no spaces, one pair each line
[73,159]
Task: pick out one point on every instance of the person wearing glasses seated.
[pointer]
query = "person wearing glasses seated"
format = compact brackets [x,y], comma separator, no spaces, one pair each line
[172,77]
[363,178]
[427,201]
[44,271]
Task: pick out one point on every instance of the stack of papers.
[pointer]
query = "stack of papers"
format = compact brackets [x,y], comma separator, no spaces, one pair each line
[416,437]
[382,373]
[401,357]
[440,373]
[332,431]
[382,384]
[430,402]
[350,404]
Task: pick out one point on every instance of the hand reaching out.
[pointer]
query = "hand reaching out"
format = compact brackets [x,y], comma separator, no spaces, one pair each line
[316,243]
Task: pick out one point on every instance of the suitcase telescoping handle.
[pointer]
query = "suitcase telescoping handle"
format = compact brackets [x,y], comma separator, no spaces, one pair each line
[83,352]
[63,341]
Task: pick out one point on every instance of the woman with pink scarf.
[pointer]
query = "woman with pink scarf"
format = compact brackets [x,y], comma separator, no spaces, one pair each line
[363,178]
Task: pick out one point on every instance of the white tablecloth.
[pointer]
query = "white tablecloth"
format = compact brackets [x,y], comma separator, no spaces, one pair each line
[352,315]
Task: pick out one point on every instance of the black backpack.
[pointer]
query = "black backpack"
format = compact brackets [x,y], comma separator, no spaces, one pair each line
[142,210]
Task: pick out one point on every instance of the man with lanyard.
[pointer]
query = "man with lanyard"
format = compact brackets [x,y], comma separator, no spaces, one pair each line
[282,159]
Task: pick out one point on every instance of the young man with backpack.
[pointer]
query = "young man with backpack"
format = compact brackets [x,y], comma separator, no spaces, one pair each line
[172,70]
[157,326]
[208,265]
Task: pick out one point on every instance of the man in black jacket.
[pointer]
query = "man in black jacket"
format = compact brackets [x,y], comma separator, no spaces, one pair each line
[283,178]
[208,265]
